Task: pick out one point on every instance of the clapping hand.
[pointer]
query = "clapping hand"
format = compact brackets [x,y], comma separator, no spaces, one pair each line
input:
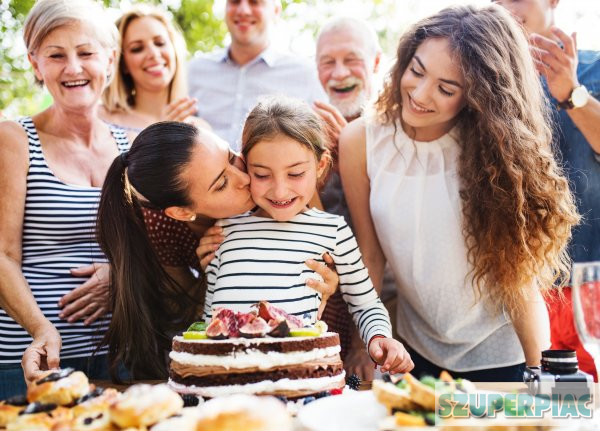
[557,64]
[180,109]
[334,122]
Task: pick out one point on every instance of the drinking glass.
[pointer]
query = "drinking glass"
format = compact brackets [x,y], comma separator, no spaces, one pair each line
[585,281]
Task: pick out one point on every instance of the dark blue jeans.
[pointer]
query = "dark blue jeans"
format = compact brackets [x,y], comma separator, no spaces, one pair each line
[424,367]
[12,381]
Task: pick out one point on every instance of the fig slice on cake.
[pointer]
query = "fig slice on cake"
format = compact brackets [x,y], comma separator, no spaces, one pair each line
[255,328]
[268,312]
[217,330]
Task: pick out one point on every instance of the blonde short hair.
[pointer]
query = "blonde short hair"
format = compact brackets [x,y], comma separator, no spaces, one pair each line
[47,15]
[120,94]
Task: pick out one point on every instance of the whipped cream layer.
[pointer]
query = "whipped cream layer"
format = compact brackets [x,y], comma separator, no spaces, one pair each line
[253,358]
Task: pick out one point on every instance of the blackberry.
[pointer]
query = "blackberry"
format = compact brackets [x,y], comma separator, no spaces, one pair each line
[308,400]
[281,398]
[190,400]
[353,382]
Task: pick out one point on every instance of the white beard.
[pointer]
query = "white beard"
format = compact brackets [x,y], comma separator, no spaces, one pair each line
[351,107]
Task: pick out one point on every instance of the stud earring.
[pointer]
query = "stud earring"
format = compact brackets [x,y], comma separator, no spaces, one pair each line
[192,218]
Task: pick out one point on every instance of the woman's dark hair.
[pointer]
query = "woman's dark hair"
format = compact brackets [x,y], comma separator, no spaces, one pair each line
[146,302]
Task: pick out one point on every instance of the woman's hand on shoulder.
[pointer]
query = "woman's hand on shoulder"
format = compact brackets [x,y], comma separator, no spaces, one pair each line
[330,283]
[208,245]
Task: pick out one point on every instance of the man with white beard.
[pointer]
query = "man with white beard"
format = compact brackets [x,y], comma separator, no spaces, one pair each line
[348,56]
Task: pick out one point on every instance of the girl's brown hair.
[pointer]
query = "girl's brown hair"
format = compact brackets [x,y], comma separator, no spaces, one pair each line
[517,207]
[280,115]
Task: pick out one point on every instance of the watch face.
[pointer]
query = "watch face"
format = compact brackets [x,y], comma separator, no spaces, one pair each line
[579,96]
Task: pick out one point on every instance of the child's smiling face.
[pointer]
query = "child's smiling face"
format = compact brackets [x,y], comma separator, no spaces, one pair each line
[283,177]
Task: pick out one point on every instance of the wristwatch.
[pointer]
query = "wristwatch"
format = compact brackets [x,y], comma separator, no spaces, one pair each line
[578,98]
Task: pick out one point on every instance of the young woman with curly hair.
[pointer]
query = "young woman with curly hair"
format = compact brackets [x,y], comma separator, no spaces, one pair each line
[452,181]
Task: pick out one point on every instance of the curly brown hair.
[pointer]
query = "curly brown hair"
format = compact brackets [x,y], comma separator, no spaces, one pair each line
[517,207]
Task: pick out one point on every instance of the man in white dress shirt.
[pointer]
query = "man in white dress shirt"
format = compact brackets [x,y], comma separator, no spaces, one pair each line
[228,82]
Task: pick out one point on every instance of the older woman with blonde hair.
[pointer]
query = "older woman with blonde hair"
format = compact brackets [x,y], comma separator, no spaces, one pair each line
[150,84]
[52,166]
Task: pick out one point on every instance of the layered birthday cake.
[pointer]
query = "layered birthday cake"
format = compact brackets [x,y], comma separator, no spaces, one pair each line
[266,352]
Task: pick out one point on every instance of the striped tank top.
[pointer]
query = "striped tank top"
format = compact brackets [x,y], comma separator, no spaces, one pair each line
[58,234]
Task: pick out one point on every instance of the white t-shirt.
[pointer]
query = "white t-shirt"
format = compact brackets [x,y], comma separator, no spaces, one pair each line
[416,210]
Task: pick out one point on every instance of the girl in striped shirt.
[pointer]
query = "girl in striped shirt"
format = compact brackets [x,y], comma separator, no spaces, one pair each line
[262,256]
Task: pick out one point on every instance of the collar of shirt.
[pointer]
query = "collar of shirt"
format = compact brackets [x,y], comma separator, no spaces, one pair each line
[269,56]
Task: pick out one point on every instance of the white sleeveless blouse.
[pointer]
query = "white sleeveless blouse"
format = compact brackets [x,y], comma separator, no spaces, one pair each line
[416,210]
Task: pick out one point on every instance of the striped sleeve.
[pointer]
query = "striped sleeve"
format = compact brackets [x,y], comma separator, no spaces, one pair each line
[364,305]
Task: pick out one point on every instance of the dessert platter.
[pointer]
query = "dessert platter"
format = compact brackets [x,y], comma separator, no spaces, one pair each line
[233,374]
[64,400]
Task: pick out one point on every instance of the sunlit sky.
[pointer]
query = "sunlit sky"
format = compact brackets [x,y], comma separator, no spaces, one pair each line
[295,31]
[392,16]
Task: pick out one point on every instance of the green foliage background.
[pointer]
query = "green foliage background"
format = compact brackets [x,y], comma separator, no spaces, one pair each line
[203,31]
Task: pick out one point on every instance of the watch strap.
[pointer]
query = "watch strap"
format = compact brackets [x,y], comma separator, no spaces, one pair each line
[566,104]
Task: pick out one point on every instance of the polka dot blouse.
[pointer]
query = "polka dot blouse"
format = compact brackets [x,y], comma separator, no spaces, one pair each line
[174,242]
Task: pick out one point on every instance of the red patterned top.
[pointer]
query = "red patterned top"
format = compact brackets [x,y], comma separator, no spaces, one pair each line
[174,242]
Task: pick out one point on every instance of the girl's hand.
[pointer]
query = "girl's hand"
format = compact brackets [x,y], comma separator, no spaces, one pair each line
[391,355]
[180,109]
[330,282]
[209,243]
[91,299]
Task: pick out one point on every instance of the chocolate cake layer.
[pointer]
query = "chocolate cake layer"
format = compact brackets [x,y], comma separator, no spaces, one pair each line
[302,371]
[184,370]
[266,345]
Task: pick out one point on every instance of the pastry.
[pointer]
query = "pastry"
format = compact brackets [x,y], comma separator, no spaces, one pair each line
[62,387]
[10,408]
[244,413]
[144,405]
